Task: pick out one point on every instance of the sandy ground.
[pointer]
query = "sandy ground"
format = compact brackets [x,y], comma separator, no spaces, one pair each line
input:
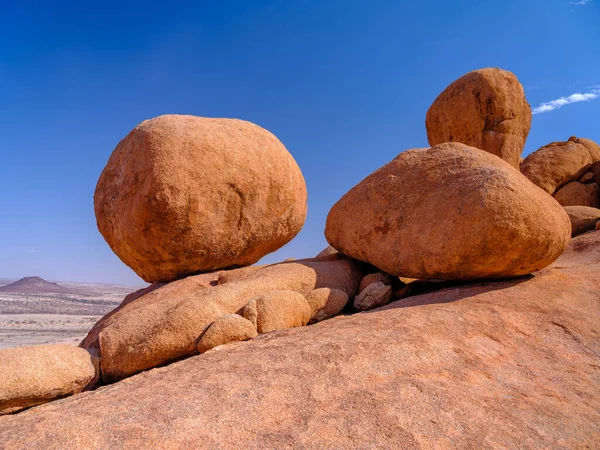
[31,319]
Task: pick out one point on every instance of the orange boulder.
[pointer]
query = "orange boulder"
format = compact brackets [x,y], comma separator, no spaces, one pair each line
[184,194]
[449,212]
[486,109]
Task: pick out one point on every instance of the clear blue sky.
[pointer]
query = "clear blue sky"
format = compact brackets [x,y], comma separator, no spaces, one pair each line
[344,84]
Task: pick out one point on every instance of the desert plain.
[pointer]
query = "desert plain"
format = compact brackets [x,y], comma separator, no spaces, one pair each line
[41,318]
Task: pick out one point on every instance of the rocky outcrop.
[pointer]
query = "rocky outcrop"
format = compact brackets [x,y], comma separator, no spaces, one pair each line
[277,310]
[555,164]
[163,326]
[486,109]
[226,329]
[34,375]
[583,218]
[506,364]
[449,212]
[184,194]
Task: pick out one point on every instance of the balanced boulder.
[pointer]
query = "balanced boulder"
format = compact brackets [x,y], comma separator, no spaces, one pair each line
[486,109]
[278,310]
[449,212]
[34,375]
[555,164]
[583,218]
[184,194]
[326,303]
[226,329]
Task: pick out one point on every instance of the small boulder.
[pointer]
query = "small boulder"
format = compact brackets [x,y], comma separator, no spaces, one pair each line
[375,295]
[583,218]
[555,164]
[374,278]
[486,109]
[326,303]
[38,374]
[226,329]
[278,310]
[449,212]
[184,194]
[577,194]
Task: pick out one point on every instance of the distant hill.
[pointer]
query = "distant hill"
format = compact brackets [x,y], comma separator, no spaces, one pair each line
[35,285]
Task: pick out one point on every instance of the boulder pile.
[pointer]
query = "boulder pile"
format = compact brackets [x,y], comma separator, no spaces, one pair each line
[191,204]
[569,171]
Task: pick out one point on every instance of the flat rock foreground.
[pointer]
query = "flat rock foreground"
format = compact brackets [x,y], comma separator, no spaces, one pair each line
[504,364]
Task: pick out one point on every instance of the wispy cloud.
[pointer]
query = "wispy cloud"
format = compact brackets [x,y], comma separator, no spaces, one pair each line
[573,98]
[580,2]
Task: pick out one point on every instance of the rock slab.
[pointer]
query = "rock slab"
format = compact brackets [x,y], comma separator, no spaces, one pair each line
[508,364]
[38,374]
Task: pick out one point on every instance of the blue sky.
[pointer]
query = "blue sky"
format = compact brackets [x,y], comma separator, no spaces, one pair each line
[344,84]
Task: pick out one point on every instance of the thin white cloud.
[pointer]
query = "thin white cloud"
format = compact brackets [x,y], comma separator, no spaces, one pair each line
[560,102]
[580,2]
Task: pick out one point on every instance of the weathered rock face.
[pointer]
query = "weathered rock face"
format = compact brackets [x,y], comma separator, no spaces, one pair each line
[555,164]
[184,194]
[226,329]
[326,303]
[33,375]
[449,212]
[486,109]
[578,194]
[510,364]
[583,218]
[277,310]
[165,324]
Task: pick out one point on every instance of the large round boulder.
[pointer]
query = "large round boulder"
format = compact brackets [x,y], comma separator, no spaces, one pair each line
[486,109]
[558,163]
[449,212]
[184,194]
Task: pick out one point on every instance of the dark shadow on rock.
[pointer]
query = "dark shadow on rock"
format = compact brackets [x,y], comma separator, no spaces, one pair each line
[451,291]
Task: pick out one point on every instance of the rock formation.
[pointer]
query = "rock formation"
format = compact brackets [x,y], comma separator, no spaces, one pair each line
[34,375]
[226,329]
[556,164]
[449,212]
[583,218]
[505,364]
[486,109]
[277,310]
[183,194]
[326,303]
[164,325]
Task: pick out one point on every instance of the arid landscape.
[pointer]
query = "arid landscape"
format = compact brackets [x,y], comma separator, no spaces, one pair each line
[28,318]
